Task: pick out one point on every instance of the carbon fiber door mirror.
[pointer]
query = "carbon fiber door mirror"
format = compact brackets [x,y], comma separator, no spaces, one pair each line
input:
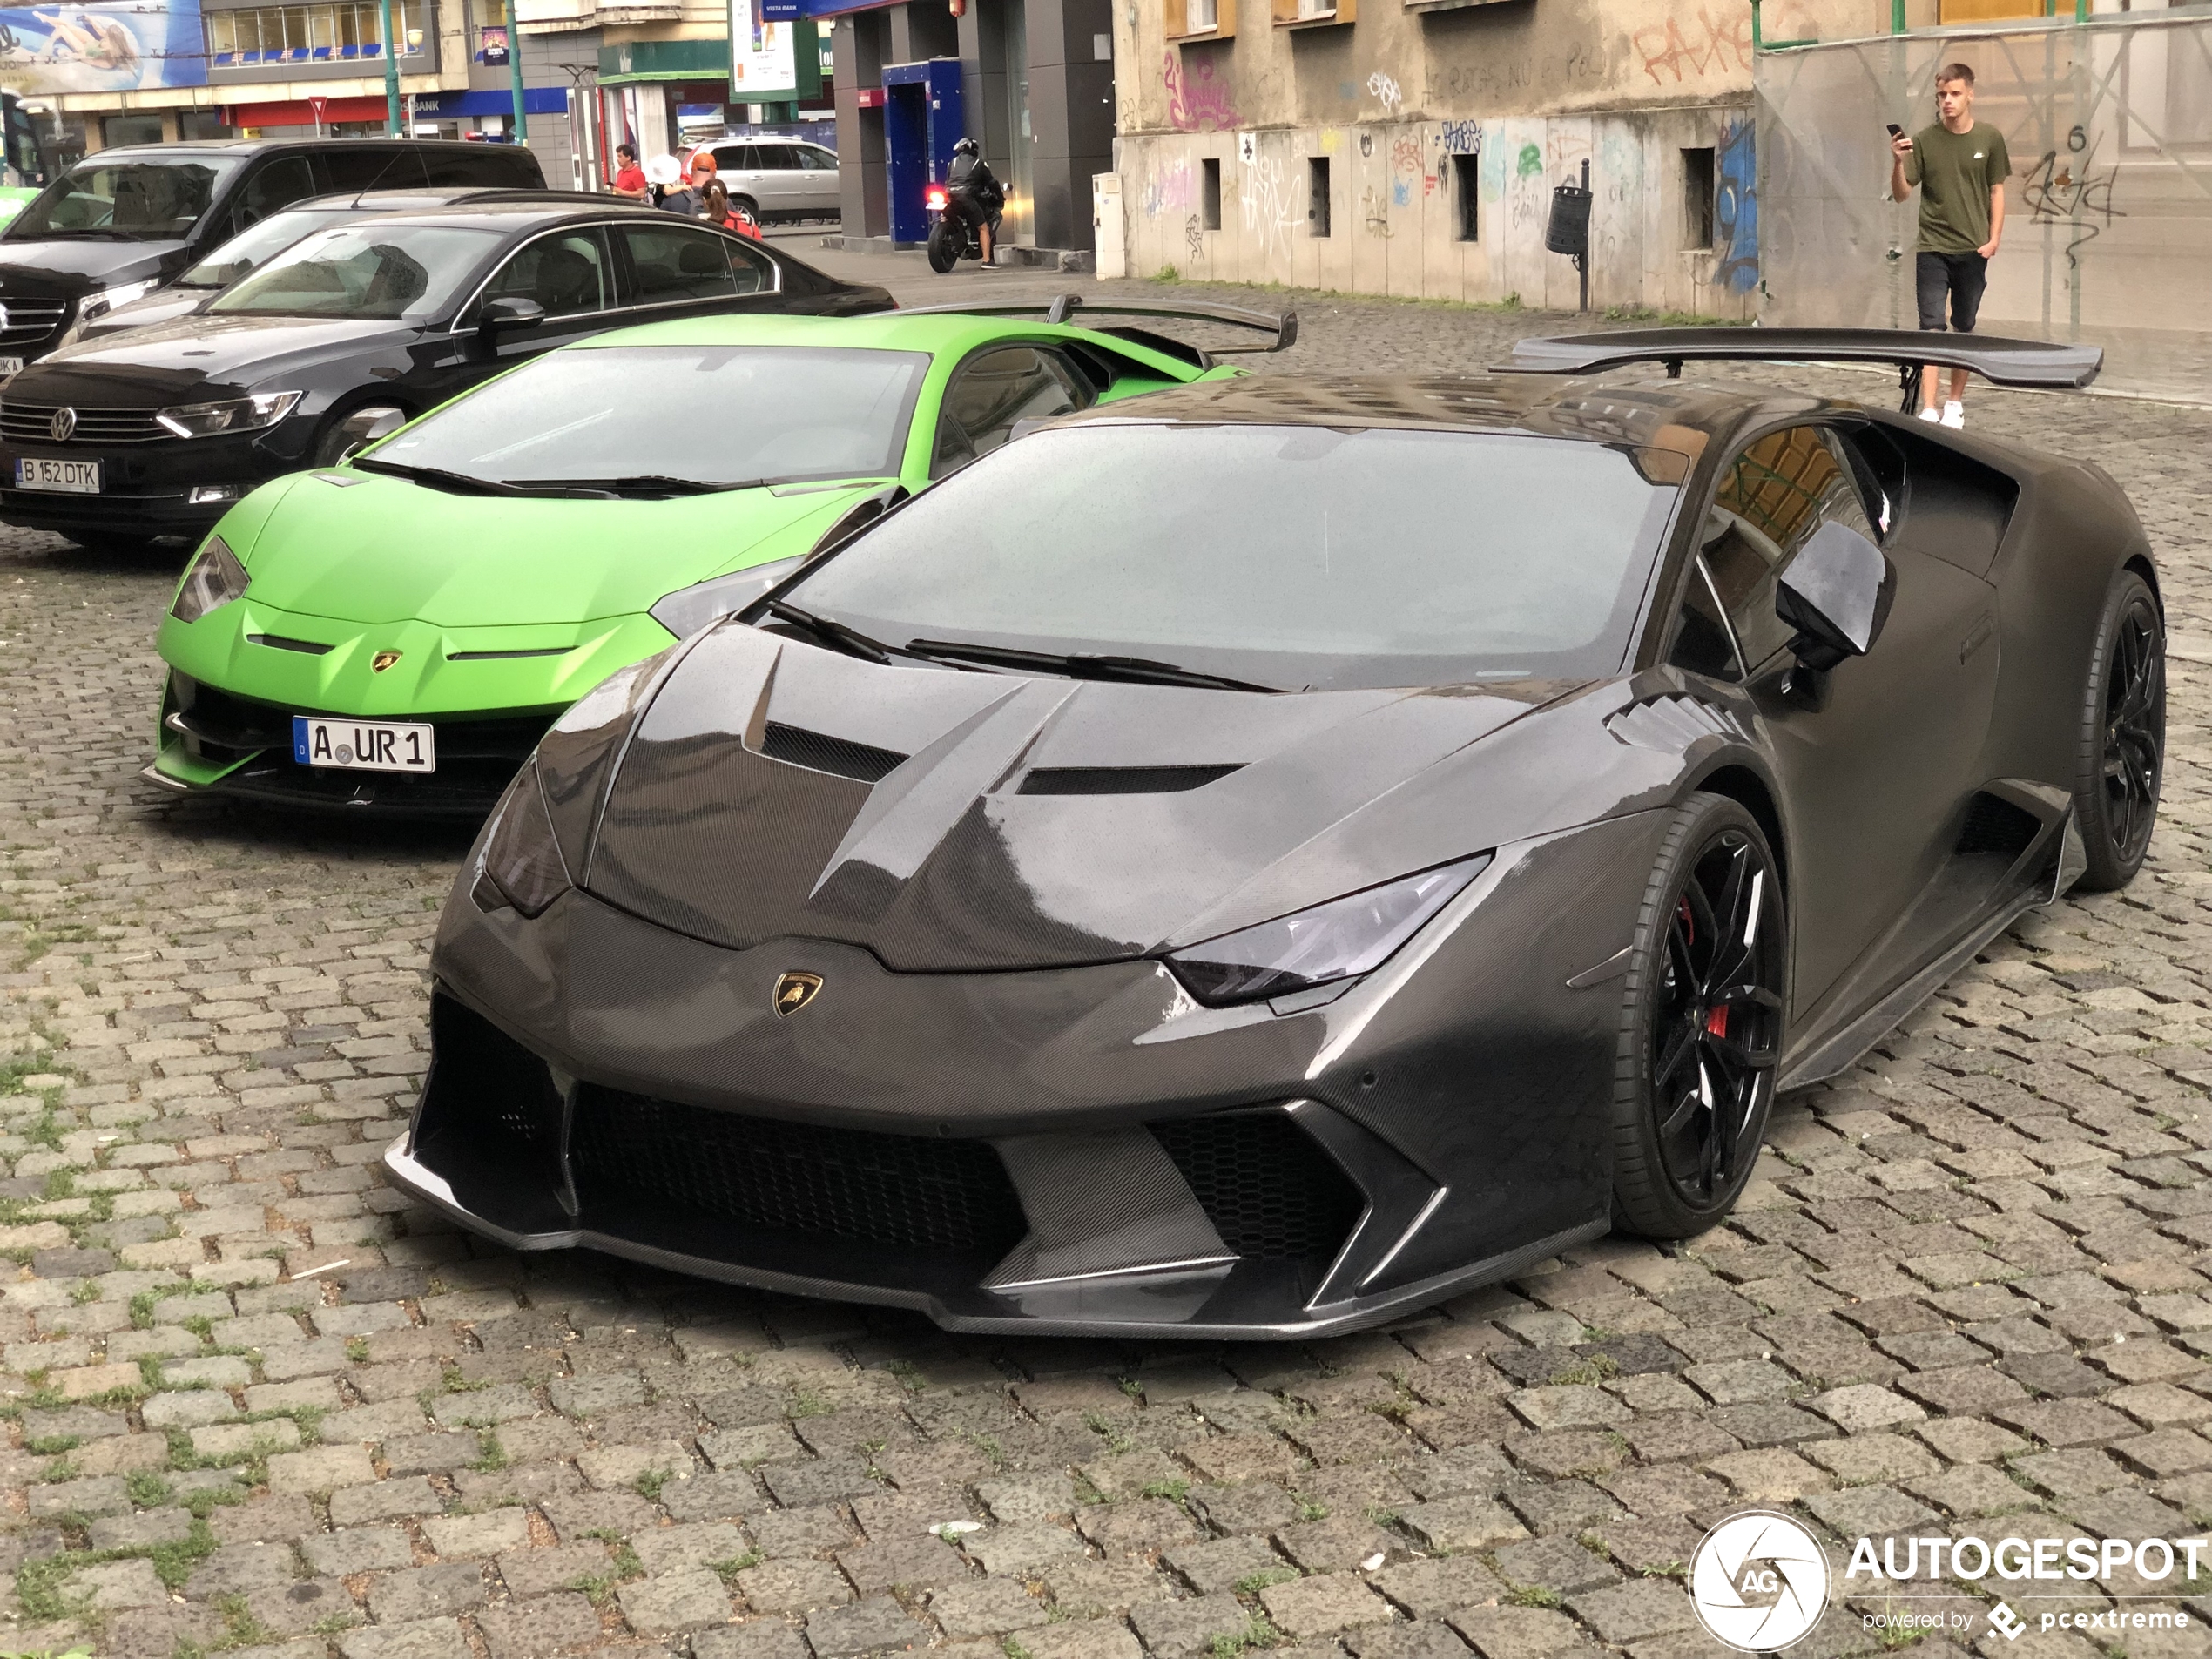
[1836,594]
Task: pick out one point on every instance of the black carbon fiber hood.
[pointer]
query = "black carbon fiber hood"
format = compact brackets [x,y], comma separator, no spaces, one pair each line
[967,822]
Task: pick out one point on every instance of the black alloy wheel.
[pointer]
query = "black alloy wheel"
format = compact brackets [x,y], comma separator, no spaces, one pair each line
[2122,756]
[1701,1025]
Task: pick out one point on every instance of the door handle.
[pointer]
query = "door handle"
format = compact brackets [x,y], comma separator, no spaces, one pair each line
[1978,636]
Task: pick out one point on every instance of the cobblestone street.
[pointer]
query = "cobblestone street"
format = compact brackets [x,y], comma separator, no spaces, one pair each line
[259,1402]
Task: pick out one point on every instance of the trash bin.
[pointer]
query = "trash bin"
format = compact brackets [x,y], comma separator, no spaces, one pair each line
[1569,231]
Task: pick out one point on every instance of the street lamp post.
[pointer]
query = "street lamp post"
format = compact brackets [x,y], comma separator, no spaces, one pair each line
[514,68]
[391,70]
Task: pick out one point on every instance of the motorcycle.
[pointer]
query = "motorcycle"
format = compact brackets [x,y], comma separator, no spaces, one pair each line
[952,236]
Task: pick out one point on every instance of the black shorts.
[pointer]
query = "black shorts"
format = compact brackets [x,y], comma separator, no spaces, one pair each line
[1961,276]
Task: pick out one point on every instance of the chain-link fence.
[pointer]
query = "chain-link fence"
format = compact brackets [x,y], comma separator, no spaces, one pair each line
[2108,210]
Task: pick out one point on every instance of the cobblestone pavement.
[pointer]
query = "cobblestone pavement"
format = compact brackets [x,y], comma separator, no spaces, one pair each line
[259,1401]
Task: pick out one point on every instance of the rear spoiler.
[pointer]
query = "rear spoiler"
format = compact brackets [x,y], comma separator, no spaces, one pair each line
[1062,309]
[2040,365]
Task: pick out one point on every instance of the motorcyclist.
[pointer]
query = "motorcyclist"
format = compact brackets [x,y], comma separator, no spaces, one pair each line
[973,190]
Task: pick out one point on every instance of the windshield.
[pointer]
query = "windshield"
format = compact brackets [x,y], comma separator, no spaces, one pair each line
[377,270]
[138,200]
[1297,557]
[253,245]
[713,413]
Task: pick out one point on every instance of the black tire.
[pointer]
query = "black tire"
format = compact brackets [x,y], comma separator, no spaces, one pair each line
[1701,1023]
[348,432]
[746,205]
[944,245]
[2121,757]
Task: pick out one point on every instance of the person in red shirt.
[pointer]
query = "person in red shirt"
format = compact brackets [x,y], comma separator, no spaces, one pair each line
[717,210]
[630,177]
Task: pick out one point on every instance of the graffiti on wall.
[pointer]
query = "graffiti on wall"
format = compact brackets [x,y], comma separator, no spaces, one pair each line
[1736,209]
[1193,239]
[1198,101]
[2070,190]
[1385,91]
[1266,202]
[1462,137]
[1686,48]
[1173,188]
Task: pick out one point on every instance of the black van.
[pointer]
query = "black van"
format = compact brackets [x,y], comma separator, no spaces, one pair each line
[122,221]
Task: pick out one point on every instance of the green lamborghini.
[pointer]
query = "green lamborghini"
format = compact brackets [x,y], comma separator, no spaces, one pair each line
[398,630]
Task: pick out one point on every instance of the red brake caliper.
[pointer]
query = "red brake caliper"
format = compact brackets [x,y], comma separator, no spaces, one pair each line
[1716,1022]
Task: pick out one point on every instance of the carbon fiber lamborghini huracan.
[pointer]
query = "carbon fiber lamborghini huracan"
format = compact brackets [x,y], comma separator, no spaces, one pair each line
[1254,861]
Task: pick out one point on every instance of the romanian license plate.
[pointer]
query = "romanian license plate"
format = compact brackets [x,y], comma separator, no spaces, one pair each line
[72,477]
[363,745]
[9,366]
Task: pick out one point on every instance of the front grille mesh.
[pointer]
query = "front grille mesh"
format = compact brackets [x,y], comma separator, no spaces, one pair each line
[903,1191]
[33,423]
[1265,1185]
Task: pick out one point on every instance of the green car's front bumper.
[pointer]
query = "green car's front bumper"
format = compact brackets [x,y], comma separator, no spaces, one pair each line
[489,694]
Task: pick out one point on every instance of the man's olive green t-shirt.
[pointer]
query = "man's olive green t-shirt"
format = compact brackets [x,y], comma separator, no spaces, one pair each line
[1954,172]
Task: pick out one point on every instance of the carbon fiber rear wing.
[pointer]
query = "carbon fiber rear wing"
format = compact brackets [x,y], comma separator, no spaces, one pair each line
[1062,308]
[2036,364]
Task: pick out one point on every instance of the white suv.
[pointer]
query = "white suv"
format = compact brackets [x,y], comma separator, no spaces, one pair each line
[778,178]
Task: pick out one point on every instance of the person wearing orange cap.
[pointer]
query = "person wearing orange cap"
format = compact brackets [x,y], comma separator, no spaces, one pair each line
[691,201]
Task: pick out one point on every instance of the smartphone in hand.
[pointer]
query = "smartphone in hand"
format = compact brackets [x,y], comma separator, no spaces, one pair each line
[1895,132]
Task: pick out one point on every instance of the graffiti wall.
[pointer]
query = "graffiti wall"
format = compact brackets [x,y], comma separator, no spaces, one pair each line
[1455,209]
[102,47]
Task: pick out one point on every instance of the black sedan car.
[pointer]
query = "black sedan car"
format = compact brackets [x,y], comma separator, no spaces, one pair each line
[344,335]
[1416,830]
[120,223]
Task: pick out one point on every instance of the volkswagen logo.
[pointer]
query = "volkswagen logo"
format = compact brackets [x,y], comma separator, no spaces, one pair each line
[63,427]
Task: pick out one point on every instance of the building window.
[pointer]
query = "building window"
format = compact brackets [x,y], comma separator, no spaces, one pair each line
[130,129]
[194,125]
[1209,192]
[1465,191]
[1317,195]
[1698,199]
[311,34]
[1199,19]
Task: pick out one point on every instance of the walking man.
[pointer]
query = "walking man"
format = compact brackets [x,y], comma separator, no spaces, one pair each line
[630,177]
[1960,168]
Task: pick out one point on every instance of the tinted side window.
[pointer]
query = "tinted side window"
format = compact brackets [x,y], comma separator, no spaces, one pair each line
[491,166]
[1780,490]
[674,262]
[993,390]
[816,160]
[1702,643]
[778,158]
[271,185]
[735,158]
[566,274]
[381,166]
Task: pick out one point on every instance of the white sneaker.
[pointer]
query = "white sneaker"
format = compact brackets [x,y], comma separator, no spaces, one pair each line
[1954,415]
[1931,414]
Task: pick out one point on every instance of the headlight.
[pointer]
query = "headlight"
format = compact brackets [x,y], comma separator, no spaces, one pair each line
[216,577]
[237,414]
[688,609]
[520,864]
[107,300]
[1344,938]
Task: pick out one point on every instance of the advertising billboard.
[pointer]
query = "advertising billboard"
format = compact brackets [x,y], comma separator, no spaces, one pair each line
[102,47]
[763,64]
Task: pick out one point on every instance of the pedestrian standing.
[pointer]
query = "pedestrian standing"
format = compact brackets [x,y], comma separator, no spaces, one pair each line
[630,177]
[1959,165]
[691,201]
[717,210]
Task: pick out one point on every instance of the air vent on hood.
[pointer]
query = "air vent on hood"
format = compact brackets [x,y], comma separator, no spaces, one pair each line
[819,752]
[1121,780]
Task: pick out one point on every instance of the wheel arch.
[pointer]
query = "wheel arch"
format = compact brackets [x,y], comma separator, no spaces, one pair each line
[1744,785]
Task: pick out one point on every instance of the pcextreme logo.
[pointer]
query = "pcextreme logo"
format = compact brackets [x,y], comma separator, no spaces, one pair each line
[1759,1582]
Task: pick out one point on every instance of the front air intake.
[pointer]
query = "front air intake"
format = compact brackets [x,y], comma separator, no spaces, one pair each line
[819,752]
[1266,1185]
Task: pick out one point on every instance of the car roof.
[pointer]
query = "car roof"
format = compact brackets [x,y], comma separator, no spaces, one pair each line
[500,210]
[1668,415]
[253,146]
[938,333]
[416,197]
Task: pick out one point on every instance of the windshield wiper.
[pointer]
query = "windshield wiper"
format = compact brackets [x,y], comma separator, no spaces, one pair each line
[655,484]
[1086,665]
[835,634]
[459,484]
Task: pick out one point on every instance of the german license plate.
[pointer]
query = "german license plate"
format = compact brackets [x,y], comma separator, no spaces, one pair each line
[72,477]
[9,366]
[363,745]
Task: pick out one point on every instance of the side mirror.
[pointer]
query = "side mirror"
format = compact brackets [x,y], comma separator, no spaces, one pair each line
[364,427]
[1836,593]
[510,312]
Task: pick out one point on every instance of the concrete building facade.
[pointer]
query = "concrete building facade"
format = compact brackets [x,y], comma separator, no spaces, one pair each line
[1412,147]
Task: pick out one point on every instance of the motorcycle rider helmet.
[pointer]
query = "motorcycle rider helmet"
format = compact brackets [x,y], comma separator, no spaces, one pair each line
[967,147]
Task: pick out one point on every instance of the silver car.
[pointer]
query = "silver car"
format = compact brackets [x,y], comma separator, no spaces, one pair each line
[779,178]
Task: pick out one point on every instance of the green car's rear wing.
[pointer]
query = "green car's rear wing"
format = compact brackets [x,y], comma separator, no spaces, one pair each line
[1282,326]
[2034,364]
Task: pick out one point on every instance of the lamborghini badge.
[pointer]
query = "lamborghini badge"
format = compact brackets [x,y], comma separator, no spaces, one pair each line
[795,991]
[382,660]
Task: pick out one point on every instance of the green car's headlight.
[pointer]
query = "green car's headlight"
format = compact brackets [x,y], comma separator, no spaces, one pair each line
[234,414]
[688,609]
[216,577]
[1339,940]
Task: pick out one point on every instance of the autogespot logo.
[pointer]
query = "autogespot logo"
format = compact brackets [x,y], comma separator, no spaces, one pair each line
[1759,1582]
